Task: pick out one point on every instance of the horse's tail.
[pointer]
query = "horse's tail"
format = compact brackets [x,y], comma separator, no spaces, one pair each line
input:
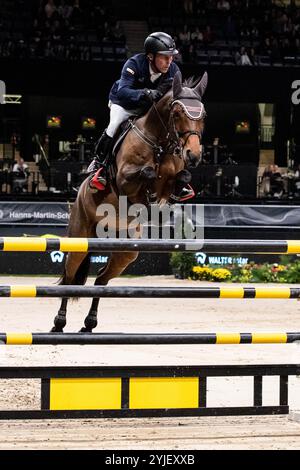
[80,275]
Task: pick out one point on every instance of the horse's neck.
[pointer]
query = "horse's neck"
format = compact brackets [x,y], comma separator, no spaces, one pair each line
[156,120]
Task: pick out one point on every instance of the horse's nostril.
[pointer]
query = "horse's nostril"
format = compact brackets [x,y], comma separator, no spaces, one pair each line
[193,160]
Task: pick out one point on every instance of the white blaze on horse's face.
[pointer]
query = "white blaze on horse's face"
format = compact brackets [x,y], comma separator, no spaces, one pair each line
[188,117]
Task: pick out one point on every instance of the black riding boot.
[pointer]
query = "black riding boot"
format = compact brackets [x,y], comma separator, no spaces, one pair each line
[101,159]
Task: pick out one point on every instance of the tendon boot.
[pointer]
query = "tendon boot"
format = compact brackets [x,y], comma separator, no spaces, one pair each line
[100,163]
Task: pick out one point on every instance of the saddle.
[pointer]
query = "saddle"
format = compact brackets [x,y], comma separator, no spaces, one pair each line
[120,135]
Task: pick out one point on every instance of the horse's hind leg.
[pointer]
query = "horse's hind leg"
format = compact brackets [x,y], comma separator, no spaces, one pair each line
[116,265]
[75,272]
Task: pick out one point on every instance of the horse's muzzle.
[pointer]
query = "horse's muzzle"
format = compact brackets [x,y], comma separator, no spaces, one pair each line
[192,160]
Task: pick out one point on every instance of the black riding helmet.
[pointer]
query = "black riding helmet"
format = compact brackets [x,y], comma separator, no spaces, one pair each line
[160,43]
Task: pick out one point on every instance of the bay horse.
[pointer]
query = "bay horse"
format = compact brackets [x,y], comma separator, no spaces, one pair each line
[151,165]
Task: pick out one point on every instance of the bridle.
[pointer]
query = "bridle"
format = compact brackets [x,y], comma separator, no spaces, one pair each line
[176,145]
[174,139]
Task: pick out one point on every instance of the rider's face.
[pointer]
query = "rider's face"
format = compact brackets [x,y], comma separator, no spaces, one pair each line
[161,62]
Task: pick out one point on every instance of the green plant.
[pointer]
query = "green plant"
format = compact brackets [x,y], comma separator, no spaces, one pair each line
[292,274]
[182,264]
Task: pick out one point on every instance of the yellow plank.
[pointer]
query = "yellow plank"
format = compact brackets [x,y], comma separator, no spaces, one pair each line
[293,246]
[163,392]
[269,338]
[23,291]
[85,394]
[24,244]
[272,293]
[18,338]
[74,244]
[231,292]
[228,338]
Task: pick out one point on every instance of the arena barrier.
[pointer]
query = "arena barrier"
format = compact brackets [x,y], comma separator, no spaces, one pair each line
[226,292]
[156,246]
[158,391]
[148,338]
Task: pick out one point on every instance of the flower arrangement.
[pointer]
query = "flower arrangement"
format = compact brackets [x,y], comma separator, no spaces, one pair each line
[183,265]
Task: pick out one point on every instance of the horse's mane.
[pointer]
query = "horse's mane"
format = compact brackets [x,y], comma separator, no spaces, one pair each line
[190,82]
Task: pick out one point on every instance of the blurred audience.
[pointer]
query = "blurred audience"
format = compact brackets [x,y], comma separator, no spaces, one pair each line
[67,29]
[256,28]
[272,182]
[64,29]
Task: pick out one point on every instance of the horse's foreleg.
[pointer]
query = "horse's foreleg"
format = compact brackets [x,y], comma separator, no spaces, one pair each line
[60,320]
[149,176]
[116,265]
[75,272]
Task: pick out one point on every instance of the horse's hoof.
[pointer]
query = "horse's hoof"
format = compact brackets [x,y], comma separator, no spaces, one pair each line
[55,329]
[85,330]
[90,322]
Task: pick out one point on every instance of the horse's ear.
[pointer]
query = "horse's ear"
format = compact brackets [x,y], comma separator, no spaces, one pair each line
[177,84]
[200,88]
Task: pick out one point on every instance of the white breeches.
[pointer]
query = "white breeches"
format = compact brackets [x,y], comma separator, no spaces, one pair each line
[117,116]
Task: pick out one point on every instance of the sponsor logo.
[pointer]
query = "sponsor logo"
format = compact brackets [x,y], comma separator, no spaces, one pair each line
[201,257]
[57,256]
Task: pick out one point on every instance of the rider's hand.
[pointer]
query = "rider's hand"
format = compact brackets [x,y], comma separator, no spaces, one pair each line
[161,90]
[152,95]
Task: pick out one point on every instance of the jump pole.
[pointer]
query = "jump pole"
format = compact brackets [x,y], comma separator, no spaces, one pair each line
[84,245]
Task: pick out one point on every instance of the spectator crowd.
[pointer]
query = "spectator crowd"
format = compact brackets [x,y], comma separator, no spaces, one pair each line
[227,31]
[246,29]
[61,29]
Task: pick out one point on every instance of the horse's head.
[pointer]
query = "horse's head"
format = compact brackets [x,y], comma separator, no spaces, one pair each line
[187,117]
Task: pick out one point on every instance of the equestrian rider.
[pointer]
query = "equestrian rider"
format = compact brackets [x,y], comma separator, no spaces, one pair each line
[145,78]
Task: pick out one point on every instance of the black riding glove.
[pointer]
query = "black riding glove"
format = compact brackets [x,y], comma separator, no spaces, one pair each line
[152,95]
[161,90]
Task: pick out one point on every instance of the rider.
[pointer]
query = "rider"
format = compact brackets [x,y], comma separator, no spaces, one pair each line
[145,78]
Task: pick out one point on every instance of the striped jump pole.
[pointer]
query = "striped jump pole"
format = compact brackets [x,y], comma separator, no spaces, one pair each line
[144,245]
[226,292]
[141,338]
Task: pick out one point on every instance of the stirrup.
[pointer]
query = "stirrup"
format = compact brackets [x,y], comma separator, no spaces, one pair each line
[186,193]
[97,181]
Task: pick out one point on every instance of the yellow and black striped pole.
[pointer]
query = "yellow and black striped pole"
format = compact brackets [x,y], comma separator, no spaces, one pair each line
[223,292]
[84,245]
[140,338]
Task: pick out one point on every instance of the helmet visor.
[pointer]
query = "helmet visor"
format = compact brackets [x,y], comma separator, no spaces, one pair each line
[173,52]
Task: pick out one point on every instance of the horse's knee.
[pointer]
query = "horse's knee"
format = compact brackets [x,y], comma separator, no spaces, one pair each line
[148,173]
